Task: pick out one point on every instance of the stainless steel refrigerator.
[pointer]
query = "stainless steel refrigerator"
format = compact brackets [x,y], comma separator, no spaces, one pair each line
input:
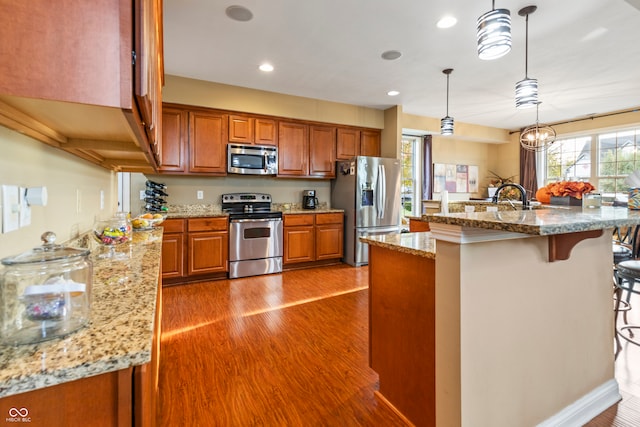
[368,190]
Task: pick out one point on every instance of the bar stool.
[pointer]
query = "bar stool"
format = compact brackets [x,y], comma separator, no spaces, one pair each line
[627,274]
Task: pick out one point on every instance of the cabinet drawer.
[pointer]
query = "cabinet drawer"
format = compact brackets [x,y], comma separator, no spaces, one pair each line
[173,226]
[293,220]
[207,224]
[328,218]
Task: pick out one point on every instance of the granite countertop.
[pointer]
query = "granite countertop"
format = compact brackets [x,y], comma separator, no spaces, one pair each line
[419,243]
[197,211]
[119,334]
[542,221]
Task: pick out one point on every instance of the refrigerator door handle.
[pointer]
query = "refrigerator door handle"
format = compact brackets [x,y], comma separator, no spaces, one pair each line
[382,191]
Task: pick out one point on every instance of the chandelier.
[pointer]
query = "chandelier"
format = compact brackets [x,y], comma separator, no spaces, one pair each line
[537,137]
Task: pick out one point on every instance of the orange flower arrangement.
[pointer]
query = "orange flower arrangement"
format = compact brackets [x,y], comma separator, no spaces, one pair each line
[564,188]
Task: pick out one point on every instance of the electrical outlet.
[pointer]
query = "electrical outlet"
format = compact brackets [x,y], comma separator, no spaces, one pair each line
[200,194]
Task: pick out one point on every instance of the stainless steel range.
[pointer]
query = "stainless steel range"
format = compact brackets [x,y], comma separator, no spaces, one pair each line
[255,234]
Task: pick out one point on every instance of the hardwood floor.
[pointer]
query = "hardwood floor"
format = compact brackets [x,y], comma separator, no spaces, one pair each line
[281,350]
[291,349]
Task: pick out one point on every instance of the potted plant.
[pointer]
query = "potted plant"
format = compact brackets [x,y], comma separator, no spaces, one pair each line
[496,181]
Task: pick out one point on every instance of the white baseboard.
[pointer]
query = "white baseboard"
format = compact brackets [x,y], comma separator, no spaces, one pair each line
[586,408]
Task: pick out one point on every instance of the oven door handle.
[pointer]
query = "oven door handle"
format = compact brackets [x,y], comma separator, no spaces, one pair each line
[257,220]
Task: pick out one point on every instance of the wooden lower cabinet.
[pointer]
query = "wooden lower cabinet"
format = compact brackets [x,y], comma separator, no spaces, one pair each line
[173,248]
[299,238]
[208,252]
[194,248]
[313,237]
[329,236]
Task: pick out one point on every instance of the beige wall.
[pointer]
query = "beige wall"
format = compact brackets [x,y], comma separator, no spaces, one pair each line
[182,189]
[214,95]
[526,354]
[29,163]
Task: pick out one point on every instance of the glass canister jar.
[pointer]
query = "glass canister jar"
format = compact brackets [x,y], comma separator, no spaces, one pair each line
[45,293]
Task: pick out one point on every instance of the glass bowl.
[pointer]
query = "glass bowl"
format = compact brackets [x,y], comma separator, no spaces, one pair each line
[148,220]
[111,233]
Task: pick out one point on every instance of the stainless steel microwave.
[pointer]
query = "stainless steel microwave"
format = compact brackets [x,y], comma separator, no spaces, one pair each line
[252,159]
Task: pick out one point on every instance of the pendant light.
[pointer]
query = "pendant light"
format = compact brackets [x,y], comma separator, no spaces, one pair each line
[537,137]
[494,33]
[446,124]
[527,89]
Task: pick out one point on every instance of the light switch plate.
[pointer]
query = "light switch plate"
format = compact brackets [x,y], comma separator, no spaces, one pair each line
[10,208]
[25,209]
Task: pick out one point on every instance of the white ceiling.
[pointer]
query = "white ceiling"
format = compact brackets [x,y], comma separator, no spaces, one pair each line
[584,53]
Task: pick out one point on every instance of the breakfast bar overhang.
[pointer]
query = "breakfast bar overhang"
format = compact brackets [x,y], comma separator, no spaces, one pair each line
[497,318]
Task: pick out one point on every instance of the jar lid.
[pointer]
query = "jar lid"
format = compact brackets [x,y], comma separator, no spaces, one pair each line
[49,251]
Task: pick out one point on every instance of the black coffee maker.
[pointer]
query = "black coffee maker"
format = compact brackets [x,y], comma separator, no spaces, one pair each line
[309,199]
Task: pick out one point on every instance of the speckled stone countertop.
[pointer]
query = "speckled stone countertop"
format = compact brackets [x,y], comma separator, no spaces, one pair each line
[542,221]
[212,210]
[419,243]
[119,334]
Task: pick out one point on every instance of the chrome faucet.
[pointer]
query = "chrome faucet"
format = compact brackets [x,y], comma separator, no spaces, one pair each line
[523,194]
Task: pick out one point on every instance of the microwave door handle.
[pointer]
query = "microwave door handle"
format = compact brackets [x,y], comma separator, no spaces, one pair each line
[265,162]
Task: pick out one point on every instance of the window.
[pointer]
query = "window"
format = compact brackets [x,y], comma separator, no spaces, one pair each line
[569,160]
[410,177]
[604,159]
[617,157]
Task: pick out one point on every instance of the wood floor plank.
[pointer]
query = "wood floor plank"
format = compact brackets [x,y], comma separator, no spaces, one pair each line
[291,349]
[287,349]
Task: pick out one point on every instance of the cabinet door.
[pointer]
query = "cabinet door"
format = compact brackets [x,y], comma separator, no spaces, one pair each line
[329,241]
[347,144]
[298,244]
[208,252]
[172,255]
[207,143]
[322,151]
[173,149]
[293,149]
[241,129]
[266,132]
[370,143]
[147,78]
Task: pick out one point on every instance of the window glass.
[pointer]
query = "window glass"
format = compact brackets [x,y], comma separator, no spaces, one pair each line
[617,158]
[615,155]
[409,188]
[569,160]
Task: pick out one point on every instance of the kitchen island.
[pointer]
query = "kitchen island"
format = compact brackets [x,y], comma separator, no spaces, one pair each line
[508,321]
[107,370]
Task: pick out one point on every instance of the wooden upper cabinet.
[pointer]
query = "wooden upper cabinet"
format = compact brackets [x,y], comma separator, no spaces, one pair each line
[207,143]
[252,130]
[81,52]
[266,132]
[322,151]
[347,144]
[370,143]
[173,148]
[147,86]
[241,129]
[293,149]
[355,142]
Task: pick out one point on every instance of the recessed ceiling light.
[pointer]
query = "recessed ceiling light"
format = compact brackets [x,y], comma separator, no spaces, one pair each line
[390,55]
[239,13]
[393,93]
[446,22]
[266,67]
